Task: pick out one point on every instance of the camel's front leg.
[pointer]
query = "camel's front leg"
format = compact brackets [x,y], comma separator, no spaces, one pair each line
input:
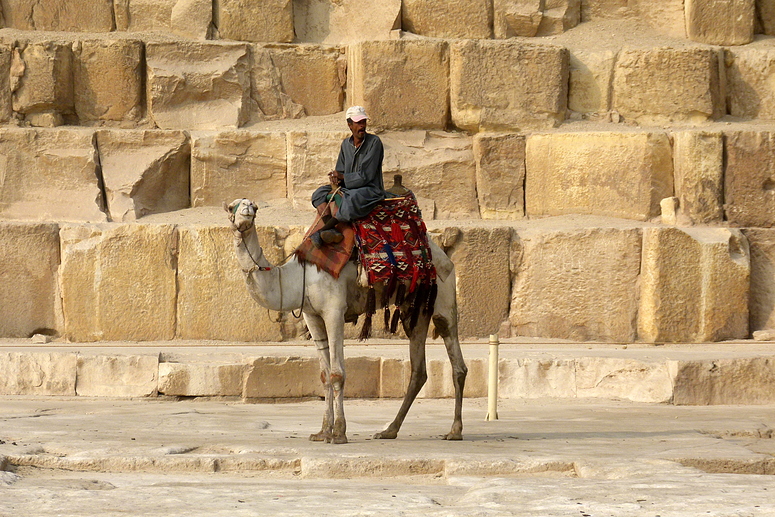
[335,327]
[417,339]
[317,329]
[447,328]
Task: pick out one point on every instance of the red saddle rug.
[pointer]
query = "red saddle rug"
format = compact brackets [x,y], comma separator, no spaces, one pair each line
[331,258]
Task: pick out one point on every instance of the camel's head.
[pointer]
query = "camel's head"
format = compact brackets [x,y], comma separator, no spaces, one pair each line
[242,213]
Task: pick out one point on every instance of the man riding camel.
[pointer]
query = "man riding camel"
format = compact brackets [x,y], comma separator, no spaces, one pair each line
[356,182]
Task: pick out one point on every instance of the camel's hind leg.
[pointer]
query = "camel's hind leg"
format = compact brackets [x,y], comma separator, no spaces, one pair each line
[317,329]
[417,339]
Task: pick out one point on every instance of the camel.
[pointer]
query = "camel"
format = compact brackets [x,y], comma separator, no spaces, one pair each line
[327,303]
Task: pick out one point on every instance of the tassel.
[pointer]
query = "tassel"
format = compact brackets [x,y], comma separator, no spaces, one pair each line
[400,294]
[390,288]
[418,304]
[432,298]
[387,318]
[394,321]
[366,329]
[371,302]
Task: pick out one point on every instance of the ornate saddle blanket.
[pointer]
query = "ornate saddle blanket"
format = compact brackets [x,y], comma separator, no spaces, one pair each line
[331,258]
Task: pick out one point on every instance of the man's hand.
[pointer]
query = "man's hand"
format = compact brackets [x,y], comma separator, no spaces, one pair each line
[335,177]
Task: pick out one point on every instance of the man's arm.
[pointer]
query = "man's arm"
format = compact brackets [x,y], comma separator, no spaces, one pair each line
[368,171]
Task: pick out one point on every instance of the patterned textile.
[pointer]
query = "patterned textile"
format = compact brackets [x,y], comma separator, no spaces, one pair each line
[331,258]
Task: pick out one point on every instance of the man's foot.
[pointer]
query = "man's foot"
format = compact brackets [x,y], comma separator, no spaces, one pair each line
[316,239]
[332,236]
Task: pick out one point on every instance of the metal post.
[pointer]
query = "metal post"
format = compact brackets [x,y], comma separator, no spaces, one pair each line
[492,384]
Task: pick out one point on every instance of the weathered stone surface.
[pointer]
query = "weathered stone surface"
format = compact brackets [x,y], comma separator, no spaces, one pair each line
[144,172]
[441,384]
[694,285]
[118,282]
[108,79]
[698,164]
[500,175]
[58,15]
[188,18]
[380,72]
[117,376]
[311,155]
[201,379]
[444,19]
[42,82]
[394,378]
[507,85]
[667,16]
[30,373]
[513,18]
[749,178]
[434,165]
[29,254]
[532,378]
[363,377]
[591,74]
[765,16]
[287,377]
[623,174]
[597,9]
[559,16]
[558,292]
[292,81]
[607,377]
[268,20]
[657,85]
[197,85]
[6,105]
[213,302]
[236,164]
[192,18]
[750,72]
[762,294]
[725,381]
[720,22]
[345,21]
[49,174]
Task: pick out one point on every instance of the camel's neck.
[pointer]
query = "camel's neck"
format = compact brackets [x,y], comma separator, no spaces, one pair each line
[279,288]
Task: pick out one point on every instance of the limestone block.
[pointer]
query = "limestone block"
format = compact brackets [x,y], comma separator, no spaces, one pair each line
[559,16]
[108,79]
[363,377]
[49,174]
[213,301]
[445,19]
[311,155]
[559,291]
[242,20]
[629,379]
[59,15]
[402,84]
[283,377]
[481,257]
[144,172]
[725,381]
[201,379]
[508,84]
[500,175]
[591,73]
[394,378]
[533,378]
[192,18]
[117,376]
[513,18]
[118,282]
[31,373]
[345,21]
[667,16]
[657,85]
[45,82]
[622,174]
[698,164]
[196,85]
[6,105]
[720,22]
[749,179]
[188,18]
[295,80]
[762,294]
[597,9]
[750,72]
[434,165]
[234,164]
[29,254]
[440,382]
[765,16]
[694,285]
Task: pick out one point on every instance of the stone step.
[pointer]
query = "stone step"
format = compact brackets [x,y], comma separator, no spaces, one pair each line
[697,374]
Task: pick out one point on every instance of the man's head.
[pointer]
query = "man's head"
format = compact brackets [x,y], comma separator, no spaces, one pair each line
[356,121]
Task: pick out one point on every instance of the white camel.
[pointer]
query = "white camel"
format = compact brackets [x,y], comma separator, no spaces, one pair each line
[328,303]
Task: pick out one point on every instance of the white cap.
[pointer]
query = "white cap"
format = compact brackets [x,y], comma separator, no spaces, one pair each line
[356,113]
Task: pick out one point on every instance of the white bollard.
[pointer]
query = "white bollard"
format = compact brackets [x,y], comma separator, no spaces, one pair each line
[492,384]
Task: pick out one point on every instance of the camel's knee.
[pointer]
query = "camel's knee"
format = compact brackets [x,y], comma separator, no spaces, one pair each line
[337,380]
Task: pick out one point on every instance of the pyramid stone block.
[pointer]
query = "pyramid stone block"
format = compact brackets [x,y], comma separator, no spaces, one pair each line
[762,301]
[658,85]
[187,18]
[6,103]
[345,21]
[42,82]
[311,155]
[447,19]
[243,20]
[29,254]
[589,87]
[195,85]
[234,164]
[694,285]
[622,174]
[507,85]
[749,179]
[144,172]
[720,22]
[603,9]
[666,16]
[38,374]
[416,72]
[750,72]
[108,80]
[698,161]
[500,175]
[558,292]
[59,15]
[120,376]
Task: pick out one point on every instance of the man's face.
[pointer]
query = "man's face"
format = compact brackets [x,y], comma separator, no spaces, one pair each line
[358,128]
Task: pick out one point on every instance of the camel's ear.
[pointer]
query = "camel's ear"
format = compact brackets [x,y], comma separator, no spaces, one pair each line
[230,207]
[255,206]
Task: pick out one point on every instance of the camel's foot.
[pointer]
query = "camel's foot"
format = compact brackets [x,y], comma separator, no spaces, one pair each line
[338,439]
[322,436]
[387,434]
[456,433]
